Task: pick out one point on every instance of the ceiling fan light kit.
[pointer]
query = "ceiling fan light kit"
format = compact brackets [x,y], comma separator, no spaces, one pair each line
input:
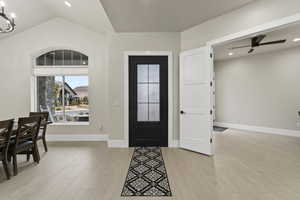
[9,21]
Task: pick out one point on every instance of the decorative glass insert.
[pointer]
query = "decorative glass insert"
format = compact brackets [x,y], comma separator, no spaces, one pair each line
[148,92]
[62,58]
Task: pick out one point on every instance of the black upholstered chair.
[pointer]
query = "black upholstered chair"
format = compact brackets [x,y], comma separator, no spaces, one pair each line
[5,135]
[25,140]
[43,128]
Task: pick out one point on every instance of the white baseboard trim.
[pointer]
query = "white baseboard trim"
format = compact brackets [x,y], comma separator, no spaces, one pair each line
[75,138]
[174,144]
[259,129]
[117,144]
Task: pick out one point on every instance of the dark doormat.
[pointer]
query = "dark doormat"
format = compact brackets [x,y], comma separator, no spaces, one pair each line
[219,129]
[147,175]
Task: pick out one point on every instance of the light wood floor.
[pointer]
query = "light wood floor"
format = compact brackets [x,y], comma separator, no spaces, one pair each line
[247,166]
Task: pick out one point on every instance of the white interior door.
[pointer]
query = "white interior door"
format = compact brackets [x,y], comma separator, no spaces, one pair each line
[196,100]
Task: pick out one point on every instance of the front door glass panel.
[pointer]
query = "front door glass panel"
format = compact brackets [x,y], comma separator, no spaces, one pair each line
[148,92]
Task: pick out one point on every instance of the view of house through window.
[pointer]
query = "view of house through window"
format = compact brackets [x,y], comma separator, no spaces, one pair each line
[64,97]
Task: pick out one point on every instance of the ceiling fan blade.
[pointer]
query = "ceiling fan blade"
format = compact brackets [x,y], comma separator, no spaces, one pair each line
[251,50]
[273,42]
[256,40]
[240,47]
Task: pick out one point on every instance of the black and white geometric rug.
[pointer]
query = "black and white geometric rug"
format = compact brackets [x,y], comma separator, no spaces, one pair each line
[147,175]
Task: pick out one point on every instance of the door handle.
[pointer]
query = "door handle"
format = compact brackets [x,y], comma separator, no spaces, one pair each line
[182,112]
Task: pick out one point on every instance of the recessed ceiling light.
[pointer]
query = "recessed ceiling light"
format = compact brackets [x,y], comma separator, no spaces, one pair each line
[2,4]
[13,15]
[230,54]
[296,40]
[68,4]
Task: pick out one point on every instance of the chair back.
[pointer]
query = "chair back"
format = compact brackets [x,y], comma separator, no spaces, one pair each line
[5,134]
[44,115]
[28,128]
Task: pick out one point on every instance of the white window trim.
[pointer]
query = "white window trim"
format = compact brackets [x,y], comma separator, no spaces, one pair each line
[70,124]
[72,70]
[126,92]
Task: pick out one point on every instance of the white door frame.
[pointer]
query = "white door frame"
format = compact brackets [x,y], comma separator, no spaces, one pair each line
[126,91]
[272,25]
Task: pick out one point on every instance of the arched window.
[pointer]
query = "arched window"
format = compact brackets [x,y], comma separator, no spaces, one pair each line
[60,86]
[62,57]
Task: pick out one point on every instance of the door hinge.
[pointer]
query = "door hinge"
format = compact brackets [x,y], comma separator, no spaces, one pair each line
[211,55]
[210,140]
[211,84]
[211,112]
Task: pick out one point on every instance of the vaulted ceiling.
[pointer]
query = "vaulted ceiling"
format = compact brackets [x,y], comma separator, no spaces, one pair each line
[88,13]
[29,13]
[121,15]
[165,15]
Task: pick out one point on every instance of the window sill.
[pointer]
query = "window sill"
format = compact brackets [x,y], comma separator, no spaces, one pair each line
[70,124]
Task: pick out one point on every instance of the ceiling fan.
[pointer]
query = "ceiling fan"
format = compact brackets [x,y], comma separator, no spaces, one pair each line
[257,41]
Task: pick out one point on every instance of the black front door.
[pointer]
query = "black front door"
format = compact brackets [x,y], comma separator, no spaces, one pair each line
[148,101]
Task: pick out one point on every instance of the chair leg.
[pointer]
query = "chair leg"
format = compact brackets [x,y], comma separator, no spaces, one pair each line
[28,156]
[6,169]
[45,144]
[35,152]
[15,164]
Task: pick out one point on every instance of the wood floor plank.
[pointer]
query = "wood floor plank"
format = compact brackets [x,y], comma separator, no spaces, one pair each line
[248,166]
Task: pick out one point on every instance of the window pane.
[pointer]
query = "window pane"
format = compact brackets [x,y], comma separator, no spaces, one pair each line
[153,93]
[142,93]
[142,112]
[50,58]
[85,60]
[154,73]
[49,92]
[67,57]
[76,58]
[40,60]
[76,98]
[66,99]
[142,73]
[148,92]
[59,57]
[62,58]
[154,112]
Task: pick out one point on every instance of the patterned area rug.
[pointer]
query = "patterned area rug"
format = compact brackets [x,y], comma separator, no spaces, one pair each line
[147,175]
[219,129]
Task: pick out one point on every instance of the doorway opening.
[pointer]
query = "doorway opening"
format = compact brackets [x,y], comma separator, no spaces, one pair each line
[254,75]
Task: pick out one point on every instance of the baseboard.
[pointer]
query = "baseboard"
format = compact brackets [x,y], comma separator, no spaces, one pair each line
[174,144]
[259,129]
[74,138]
[117,144]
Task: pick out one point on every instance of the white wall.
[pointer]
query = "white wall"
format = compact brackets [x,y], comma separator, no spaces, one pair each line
[249,16]
[105,75]
[260,90]
[136,42]
[16,53]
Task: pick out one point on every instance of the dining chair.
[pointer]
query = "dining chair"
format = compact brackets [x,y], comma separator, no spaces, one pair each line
[5,135]
[25,140]
[43,128]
